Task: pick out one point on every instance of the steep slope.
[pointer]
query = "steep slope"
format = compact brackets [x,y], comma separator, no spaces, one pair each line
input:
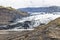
[8,14]
[54,29]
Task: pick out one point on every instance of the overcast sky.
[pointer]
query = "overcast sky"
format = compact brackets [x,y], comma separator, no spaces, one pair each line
[29,3]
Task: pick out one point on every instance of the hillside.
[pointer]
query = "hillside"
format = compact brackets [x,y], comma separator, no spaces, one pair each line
[8,14]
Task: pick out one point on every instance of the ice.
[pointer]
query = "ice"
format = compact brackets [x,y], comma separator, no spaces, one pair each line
[36,20]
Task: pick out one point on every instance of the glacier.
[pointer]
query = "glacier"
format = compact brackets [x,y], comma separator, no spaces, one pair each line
[31,21]
[35,20]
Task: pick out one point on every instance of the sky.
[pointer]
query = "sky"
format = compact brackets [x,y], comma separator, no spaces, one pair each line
[29,3]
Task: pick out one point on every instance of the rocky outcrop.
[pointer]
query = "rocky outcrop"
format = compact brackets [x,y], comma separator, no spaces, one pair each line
[8,15]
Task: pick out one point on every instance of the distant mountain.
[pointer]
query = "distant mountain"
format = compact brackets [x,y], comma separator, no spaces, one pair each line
[8,14]
[41,9]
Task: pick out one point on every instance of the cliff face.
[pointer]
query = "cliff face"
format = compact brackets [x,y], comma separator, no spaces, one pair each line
[8,14]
